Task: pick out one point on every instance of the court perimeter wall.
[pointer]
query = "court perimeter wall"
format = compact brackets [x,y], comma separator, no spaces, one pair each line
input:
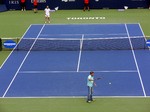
[78,4]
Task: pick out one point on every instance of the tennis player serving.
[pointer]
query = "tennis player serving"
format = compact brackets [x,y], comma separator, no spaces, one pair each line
[90,84]
[47,14]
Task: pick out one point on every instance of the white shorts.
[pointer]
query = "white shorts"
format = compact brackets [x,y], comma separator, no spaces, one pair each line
[47,15]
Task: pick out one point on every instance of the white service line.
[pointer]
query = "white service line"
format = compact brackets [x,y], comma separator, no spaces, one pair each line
[47,72]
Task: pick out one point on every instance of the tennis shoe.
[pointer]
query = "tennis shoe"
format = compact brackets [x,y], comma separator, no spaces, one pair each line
[88,101]
[93,100]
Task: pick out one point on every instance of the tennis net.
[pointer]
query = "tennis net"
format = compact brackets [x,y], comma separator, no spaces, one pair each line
[73,44]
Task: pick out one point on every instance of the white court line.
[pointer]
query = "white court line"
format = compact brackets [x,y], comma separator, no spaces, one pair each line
[22,63]
[101,34]
[14,48]
[135,60]
[80,53]
[70,97]
[84,24]
[45,72]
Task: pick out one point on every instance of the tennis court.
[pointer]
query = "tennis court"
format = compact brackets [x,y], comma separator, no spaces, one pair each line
[36,71]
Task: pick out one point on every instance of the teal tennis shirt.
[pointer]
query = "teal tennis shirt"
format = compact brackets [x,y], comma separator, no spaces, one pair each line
[90,83]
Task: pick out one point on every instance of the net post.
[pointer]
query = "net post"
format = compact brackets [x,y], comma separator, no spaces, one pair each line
[17,43]
[144,42]
[0,44]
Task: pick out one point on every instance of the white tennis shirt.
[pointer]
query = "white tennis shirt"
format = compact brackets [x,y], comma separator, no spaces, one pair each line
[90,83]
[47,11]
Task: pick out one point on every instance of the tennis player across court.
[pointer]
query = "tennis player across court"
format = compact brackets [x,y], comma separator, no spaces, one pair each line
[90,83]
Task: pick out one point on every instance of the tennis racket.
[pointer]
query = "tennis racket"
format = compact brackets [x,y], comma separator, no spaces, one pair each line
[98,78]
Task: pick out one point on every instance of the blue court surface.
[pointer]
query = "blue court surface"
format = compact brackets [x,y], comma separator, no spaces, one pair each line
[51,73]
